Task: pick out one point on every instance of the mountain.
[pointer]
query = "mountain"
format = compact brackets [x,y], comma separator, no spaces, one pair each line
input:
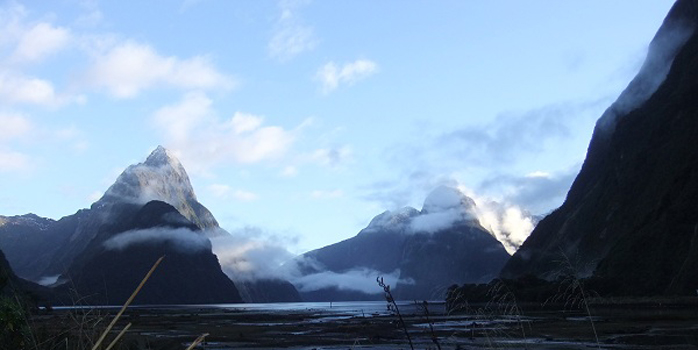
[630,219]
[124,250]
[151,210]
[422,253]
[161,177]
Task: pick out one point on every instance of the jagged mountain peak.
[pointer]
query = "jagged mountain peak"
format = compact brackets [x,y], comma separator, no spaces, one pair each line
[163,178]
[162,157]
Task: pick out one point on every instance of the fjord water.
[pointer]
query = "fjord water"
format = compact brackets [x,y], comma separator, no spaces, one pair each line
[349,308]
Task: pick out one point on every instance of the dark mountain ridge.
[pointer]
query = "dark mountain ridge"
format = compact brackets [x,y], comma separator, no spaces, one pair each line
[428,250]
[630,218]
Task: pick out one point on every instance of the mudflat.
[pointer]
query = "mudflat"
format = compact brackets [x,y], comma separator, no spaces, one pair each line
[636,324]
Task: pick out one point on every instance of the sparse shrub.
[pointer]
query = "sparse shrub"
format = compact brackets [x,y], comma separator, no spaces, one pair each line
[15,332]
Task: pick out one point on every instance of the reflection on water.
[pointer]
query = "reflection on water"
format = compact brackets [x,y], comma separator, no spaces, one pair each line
[350,308]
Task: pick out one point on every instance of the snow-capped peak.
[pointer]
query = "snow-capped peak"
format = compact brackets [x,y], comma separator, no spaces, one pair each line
[160,177]
[160,157]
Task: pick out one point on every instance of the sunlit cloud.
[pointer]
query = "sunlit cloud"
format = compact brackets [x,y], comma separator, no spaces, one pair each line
[203,140]
[129,67]
[331,76]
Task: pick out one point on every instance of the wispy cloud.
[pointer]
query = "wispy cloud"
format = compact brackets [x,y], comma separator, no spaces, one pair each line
[12,161]
[359,279]
[225,191]
[40,41]
[510,135]
[318,194]
[250,253]
[538,192]
[129,67]
[289,171]
[333,157]
[16,88]
[29,42]
[14,125]
[183,239]
[291,36]
[331,76]
[202,139]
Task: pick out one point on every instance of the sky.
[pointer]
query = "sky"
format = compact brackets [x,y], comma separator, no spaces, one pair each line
[299,121]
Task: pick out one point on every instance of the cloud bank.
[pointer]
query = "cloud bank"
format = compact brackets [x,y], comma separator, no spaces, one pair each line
[359,279]
[182,239]
[250,253]
[202,139]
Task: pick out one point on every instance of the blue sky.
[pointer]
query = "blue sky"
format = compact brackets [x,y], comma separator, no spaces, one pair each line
[299,121]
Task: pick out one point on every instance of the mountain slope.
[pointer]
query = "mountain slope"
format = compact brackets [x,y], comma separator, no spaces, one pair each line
[424,252]
[115,262]
[151,210]
[630,218]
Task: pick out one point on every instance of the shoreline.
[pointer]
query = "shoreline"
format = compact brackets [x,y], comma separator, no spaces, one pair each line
[631,326]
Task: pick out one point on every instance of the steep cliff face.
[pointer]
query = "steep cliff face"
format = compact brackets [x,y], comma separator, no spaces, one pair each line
[113,264]
[631,218]
[151,210]
[161,177]
[424,251]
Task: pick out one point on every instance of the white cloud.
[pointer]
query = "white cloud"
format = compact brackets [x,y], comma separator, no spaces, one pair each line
[127,68]
[16,88]
[289,171]
[219,190]
[29,42]
[359,279]
[250,253]
[203,140]
[331,76]
[317,194]
[243,122]
[11,161]
[225,191]
[245,196]
[507,222]
[40,41]
[291,36]
[13,126]
[332,157]
[183,239]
